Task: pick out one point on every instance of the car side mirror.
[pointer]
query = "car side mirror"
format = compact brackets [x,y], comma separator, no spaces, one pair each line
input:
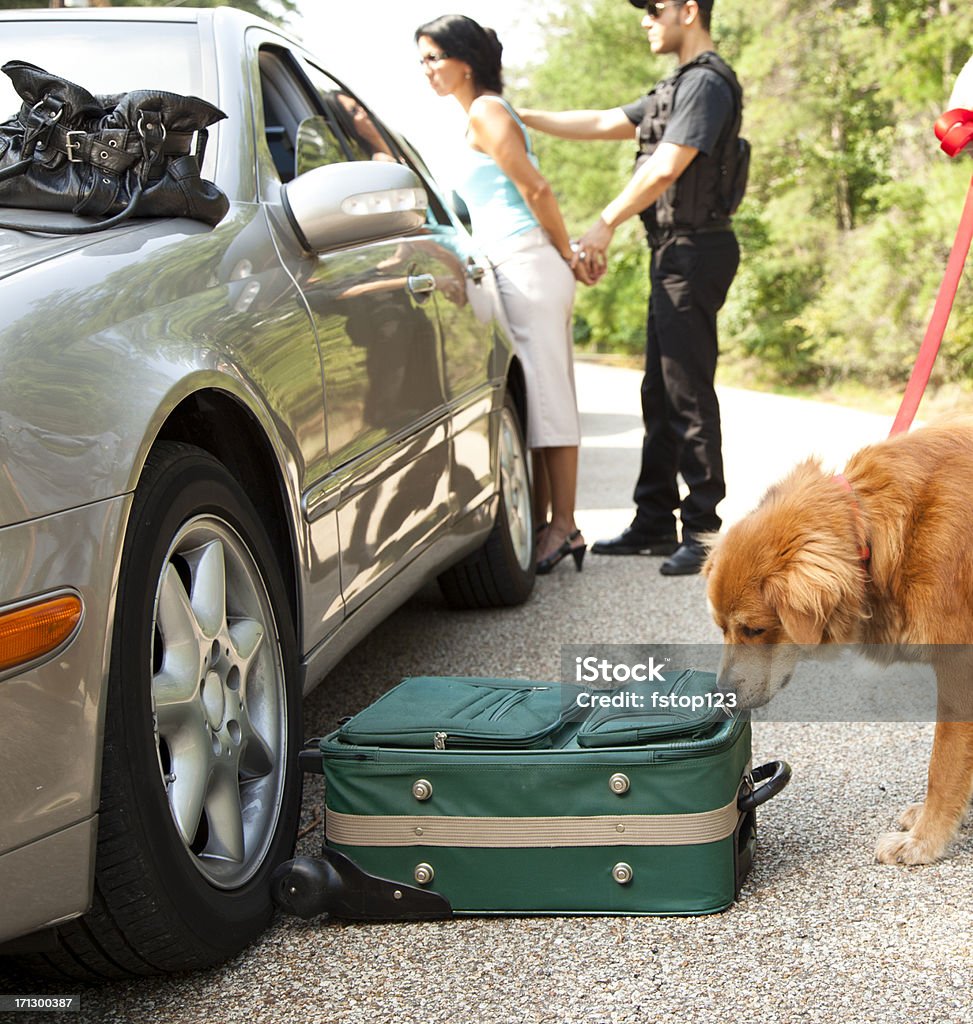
[317,146]
[354,202]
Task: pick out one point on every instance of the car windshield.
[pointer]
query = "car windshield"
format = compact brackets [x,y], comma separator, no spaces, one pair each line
[104,57]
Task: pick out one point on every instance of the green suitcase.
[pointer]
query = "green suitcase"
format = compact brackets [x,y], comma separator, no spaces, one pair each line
[489,796]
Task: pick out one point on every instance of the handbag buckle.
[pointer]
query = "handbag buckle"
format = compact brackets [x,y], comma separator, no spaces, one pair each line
[35,123]
[141,126]
[70,146]
[51,119]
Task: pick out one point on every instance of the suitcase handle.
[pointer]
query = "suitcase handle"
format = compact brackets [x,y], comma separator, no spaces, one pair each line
[774,775]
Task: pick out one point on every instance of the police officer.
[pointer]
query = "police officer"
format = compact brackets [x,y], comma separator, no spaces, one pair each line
[686,183]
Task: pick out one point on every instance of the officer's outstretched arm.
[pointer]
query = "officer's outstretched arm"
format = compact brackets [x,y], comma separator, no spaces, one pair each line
[580,124]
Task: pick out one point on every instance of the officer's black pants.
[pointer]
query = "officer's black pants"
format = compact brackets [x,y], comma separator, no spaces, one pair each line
[690,276]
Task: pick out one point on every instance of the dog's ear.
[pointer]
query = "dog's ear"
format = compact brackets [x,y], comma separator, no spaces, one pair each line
[711,542]
[801,626]
[810,592]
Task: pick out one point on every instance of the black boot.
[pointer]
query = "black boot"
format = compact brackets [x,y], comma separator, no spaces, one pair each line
[687,560]
[633,541]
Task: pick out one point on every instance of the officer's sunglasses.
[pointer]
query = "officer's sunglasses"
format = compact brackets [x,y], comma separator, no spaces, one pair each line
[657,10]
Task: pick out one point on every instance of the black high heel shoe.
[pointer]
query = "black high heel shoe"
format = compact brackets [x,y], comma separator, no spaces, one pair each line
[545,565]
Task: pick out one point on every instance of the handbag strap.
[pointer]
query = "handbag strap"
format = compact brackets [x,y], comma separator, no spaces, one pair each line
[112,149]
[88,229]
[35,125]
[14,169]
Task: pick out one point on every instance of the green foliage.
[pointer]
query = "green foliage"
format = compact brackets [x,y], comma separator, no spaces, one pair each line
[851,209]
[594,60]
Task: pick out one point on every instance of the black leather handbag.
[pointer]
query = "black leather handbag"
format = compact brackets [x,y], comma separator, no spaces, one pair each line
[137,154]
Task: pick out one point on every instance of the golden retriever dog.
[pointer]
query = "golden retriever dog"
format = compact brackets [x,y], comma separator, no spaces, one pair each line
[880,556]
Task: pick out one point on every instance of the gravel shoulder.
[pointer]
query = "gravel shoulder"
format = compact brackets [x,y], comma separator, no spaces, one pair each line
[821,933]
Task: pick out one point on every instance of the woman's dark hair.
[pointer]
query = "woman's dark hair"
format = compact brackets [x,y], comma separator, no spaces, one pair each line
[461,37]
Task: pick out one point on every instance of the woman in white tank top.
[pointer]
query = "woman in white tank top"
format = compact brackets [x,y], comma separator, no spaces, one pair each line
[517,221]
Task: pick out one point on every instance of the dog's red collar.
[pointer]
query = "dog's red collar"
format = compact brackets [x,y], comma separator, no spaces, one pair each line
[864,549]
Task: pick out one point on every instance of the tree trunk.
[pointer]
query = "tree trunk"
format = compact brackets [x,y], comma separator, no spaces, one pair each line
[945,10]
[844,212]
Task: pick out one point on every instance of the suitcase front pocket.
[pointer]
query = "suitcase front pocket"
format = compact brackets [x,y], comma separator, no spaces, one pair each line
[436,712]
[683,706]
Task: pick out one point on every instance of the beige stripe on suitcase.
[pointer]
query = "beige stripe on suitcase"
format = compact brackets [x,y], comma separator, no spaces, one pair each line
[603,830]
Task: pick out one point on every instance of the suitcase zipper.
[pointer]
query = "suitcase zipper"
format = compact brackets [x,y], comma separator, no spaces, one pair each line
[469,740]
[512,700]
[676,751]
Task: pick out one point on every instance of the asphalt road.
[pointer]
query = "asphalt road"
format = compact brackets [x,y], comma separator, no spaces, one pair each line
[821,932]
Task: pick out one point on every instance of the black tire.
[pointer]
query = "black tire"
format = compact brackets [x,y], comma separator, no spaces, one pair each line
[501,573]
[162,903]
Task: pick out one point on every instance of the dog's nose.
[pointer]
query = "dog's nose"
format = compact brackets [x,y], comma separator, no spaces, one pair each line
[725,683]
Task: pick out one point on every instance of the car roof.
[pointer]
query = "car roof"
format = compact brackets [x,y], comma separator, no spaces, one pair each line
[223,19]
[106,13]
[176,14]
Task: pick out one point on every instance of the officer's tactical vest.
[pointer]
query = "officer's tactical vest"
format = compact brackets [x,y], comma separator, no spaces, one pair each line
[708,192]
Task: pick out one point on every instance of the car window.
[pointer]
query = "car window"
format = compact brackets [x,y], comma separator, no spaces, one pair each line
[109,60]
[305,107]
[286,102]
[293,91]
[437,204]
[356,132]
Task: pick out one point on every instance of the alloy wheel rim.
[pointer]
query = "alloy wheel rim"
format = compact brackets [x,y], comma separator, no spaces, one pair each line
[219,701]
[515,488]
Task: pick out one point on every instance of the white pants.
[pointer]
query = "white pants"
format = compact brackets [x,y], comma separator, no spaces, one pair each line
[537,290]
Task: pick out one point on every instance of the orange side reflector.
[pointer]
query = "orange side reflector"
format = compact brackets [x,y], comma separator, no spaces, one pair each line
[36,629]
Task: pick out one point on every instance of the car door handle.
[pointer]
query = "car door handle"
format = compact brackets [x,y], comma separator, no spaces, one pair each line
[420,284]
[474,271]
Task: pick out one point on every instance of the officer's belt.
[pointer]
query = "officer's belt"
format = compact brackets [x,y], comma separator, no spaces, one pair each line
[659,238]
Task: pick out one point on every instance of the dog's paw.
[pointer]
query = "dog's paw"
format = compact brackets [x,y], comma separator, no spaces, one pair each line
[906,848]
[910,816]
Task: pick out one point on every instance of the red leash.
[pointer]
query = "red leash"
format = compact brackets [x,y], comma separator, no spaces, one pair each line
[955,131]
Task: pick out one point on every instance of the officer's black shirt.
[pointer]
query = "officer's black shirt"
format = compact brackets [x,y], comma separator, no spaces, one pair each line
[701,107]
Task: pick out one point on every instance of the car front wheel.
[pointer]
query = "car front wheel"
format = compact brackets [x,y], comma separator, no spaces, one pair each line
[200,782]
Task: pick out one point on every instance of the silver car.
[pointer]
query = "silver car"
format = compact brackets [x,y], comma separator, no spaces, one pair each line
[226,454]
